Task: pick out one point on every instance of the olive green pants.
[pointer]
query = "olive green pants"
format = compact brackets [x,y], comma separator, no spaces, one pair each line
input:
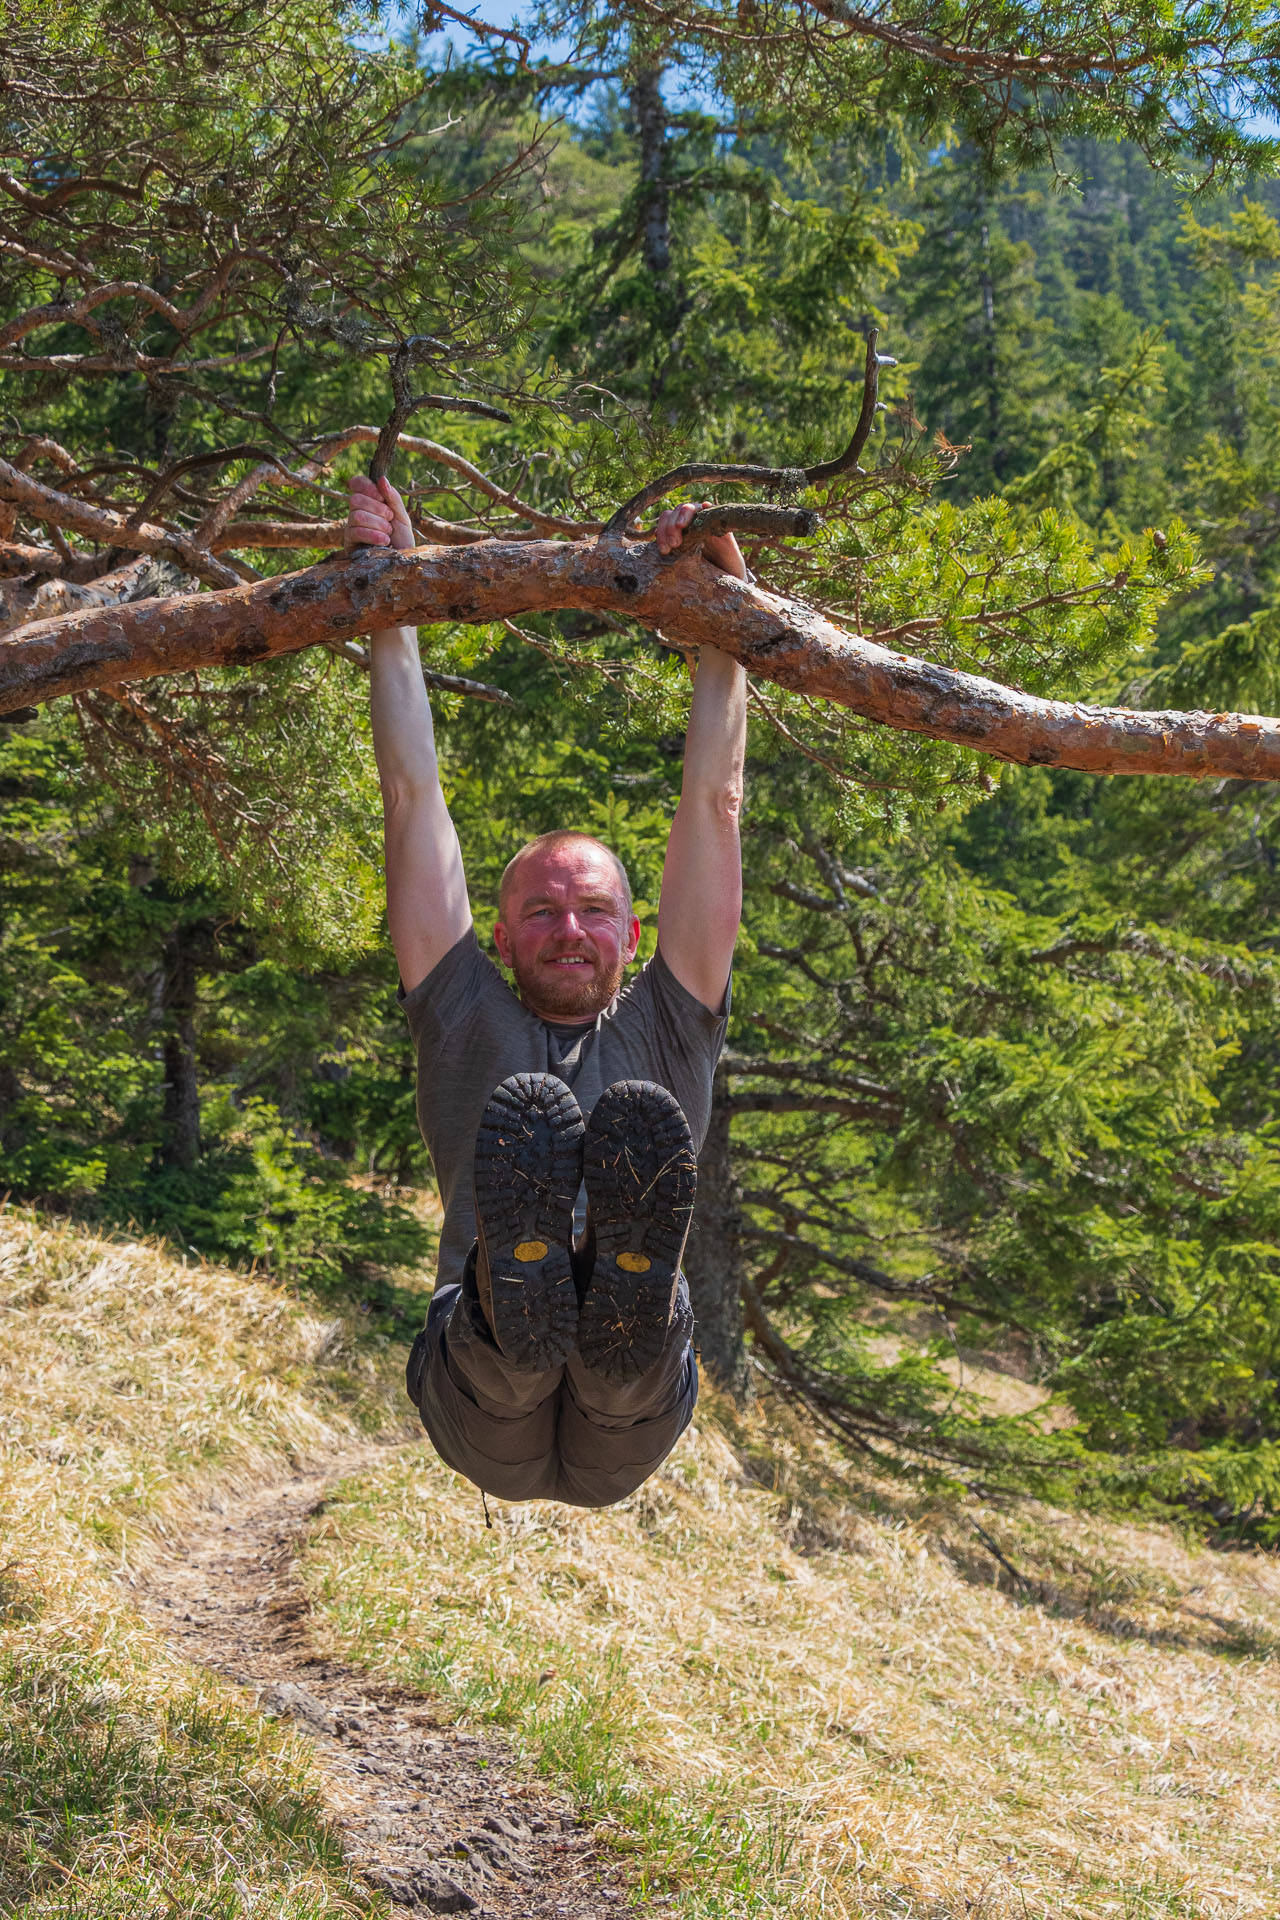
[567,1434]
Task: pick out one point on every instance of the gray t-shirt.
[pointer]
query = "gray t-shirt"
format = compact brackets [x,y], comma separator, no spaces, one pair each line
[471,1031]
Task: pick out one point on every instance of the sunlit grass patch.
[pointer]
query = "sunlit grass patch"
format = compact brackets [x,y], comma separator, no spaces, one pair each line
[129,1377]
[779,1689]
[809,1698]
[134,1383]
[124,1791]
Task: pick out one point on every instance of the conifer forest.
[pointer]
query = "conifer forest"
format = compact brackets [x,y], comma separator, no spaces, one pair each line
[968,321]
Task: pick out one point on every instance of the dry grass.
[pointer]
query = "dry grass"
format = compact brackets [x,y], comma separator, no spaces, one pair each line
[812,1697]
[134,1383]
[130,1378]
[785,1690]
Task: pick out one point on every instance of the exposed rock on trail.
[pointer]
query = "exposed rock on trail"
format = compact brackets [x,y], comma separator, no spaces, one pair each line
[441,1819]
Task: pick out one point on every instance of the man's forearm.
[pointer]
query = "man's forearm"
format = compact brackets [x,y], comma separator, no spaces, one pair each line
[716,741]
[701,901]
[404,741]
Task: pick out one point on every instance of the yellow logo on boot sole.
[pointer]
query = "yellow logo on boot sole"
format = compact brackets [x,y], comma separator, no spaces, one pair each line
[634,1262]
[531,1250]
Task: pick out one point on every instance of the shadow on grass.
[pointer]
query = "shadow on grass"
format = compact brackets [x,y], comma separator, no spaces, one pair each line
[1083,1597]
[828,1500]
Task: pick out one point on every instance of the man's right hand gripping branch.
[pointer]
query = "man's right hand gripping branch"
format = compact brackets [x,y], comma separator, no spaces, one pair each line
[563,1112]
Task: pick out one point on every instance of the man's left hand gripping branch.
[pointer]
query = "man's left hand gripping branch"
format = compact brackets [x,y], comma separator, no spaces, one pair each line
[563,1113]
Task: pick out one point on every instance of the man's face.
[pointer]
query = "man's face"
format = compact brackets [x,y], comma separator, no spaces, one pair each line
[566,933]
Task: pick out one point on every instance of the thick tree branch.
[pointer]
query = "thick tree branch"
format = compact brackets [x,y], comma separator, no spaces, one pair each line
[777,638]
[24,602]
[749,1064]
[861,1270]
[15,557]
[59,509]
[753,522]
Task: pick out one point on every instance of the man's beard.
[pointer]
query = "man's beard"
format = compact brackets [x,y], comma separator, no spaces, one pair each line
[571,993]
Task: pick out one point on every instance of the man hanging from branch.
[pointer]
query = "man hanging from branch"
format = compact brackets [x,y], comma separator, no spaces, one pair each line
[563,1119]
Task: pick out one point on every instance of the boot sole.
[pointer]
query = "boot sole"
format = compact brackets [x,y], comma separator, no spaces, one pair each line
[528,1168]
[641,1174]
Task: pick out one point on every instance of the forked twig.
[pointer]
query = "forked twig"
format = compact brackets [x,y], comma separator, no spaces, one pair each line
[776,479]
[417,347]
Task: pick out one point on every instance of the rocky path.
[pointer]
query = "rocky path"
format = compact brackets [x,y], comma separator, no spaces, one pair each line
[442,1820]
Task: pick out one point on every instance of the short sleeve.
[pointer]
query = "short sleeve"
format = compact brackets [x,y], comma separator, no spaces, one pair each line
[459,983]
[666,1034]
[687,1008]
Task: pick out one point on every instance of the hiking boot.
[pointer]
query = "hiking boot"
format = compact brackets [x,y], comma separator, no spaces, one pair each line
[528,1168]
[641,1174]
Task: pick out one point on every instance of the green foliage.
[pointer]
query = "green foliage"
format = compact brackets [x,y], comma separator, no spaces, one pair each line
[1030,1127]
[761,306]
[1186,83]
[1003,1077]
[265,1198]
[86,935]
[72,1073]
[259,786]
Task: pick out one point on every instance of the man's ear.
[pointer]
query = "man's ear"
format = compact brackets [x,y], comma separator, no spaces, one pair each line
[502,943]
[633,938]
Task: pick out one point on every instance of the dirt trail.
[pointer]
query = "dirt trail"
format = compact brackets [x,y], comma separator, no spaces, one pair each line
[442,1820]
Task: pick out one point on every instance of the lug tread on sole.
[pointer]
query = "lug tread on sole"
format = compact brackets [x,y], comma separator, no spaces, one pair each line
[641,1174]
[528,1168]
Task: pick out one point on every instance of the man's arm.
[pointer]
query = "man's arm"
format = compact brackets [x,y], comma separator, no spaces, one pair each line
[427,907]
[701,901]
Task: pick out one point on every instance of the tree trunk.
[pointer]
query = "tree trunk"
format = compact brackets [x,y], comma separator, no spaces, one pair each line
[11,1091]
[180,1119]
[682,598]
[990,343]
[650,113]
[714,1258]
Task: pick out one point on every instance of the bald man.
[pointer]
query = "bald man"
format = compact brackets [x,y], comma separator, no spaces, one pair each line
[563,1113]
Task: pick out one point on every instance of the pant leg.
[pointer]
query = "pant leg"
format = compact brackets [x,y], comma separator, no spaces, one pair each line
[611,1438]
[487,1419]
[566,1434]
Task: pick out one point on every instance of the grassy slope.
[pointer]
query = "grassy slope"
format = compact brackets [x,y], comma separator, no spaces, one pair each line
[782,1690]
[793,1696]
[131,1383]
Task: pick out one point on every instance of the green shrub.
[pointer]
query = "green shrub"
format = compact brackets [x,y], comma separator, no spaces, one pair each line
[263,1196]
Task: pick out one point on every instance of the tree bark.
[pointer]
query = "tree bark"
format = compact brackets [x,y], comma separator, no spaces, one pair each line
[27,600]
[687,602]
[650,111]
[990,342]
[713,1259]
[180,1117]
